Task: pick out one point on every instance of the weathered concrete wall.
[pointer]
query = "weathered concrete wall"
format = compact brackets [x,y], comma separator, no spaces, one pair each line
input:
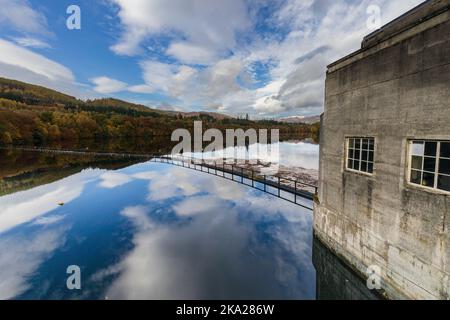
[394,93]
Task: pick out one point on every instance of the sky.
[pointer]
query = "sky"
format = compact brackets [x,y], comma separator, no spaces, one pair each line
[265,58]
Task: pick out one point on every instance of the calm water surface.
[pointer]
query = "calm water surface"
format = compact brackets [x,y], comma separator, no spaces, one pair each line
[151,231]
[287,154]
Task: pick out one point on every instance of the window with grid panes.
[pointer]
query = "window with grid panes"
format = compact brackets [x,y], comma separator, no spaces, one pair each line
[430,164]
[360,154]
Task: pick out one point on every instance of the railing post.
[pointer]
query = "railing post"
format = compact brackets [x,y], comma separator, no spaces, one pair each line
[253,178]
[279,186]
[295,190]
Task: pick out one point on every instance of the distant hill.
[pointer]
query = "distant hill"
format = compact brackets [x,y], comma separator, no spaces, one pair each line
[34,95]
[40,96]
[217,116]
[300,119]
[34,115]
[111,102]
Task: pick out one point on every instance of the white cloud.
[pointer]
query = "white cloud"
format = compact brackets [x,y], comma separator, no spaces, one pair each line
[221,79]
[158,75]
[24,207]
[141,88]
[191,54]
[14,55]
[31,42]
[212,47]
[207,26]
[107,85]
[46,221]
[189,207]
[20,16]
[17,62]
[216,233]
[162,256]
[268,105]
[192,86]
[167,184]
[111,180]
[317,32]
[20,257]
[320,32]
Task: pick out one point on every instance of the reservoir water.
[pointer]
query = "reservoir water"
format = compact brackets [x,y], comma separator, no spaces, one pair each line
[155,231]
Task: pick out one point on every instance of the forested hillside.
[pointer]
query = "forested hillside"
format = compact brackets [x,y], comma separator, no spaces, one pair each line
[36,115]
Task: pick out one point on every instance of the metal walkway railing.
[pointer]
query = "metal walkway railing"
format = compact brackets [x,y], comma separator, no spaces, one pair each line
[294,191]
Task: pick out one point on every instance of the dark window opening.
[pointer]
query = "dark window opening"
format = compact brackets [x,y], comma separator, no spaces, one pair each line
[360,154]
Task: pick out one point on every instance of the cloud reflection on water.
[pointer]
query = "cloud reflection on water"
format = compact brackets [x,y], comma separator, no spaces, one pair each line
[237,243]
[192,236]
[290,154]
[20,257]
[25,206]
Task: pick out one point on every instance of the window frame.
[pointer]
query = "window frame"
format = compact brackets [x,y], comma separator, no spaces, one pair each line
[410,169]
[347,158]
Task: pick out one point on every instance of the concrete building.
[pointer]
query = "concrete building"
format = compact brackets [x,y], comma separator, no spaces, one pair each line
[384,185]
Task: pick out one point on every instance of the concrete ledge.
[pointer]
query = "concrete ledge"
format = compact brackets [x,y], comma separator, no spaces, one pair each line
[388,41]
[415,16]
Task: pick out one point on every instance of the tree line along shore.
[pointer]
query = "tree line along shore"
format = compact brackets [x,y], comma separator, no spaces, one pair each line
[34,115]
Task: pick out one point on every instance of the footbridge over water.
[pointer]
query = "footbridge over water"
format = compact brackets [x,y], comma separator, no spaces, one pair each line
[295,191]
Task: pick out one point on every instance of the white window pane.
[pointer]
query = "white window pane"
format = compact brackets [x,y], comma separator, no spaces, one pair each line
[417,148]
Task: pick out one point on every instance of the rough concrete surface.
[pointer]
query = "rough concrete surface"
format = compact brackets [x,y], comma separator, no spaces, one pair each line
[394,93]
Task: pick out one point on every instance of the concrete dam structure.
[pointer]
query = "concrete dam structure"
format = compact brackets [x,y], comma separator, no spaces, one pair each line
[384,186]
